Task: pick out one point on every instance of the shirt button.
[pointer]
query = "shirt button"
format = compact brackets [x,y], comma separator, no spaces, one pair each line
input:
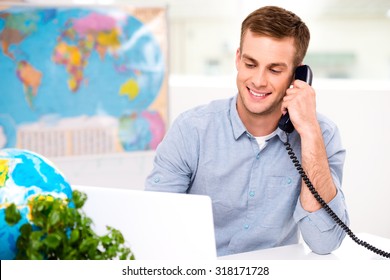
[289,181]
[156,179]
[258,156]
[246,226]
[252,193]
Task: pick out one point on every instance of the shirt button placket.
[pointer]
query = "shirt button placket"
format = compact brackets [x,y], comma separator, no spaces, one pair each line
[252,186]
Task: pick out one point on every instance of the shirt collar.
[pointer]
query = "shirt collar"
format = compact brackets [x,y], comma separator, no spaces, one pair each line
[237,125]
[282,135]
[239,128]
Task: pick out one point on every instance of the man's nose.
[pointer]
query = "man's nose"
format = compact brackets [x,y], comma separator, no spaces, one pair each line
[259,79]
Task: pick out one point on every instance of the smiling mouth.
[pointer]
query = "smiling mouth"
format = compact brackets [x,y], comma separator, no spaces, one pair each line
[258,94]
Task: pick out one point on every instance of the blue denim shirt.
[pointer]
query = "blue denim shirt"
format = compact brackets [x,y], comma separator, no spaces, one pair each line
[255,193]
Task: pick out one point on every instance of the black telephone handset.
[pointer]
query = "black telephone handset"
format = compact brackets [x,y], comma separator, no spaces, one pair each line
[303,73]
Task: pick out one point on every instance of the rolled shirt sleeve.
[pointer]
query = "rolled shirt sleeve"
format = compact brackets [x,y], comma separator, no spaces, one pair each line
[319,230]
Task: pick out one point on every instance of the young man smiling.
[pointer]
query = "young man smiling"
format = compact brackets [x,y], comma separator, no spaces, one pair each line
[233,151]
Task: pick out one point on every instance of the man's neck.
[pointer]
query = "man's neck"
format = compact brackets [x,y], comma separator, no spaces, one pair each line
[260,125]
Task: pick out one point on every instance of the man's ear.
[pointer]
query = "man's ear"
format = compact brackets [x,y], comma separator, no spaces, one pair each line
[238,57]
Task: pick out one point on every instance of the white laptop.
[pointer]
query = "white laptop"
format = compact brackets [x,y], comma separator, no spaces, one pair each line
[155,225]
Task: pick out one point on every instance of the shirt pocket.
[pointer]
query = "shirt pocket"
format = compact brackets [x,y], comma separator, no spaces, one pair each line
[281,194]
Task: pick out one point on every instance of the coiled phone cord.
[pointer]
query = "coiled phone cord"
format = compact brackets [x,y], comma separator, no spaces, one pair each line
[325,206]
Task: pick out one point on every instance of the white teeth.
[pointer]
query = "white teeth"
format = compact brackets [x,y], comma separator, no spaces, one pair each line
[258,94]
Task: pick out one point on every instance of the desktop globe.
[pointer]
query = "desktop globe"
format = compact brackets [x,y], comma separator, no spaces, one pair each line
[23,176]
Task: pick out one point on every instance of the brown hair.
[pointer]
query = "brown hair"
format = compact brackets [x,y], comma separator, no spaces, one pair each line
[278,23]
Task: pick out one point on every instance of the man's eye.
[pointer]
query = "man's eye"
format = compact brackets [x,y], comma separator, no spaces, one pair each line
[249,65]
[275,71]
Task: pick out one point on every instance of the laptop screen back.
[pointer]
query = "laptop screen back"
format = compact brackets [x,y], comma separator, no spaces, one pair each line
[155,225]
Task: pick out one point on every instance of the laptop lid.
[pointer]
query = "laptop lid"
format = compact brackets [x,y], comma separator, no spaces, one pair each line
[155,225]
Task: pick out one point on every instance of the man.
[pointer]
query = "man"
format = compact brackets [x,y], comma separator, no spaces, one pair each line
[233,151]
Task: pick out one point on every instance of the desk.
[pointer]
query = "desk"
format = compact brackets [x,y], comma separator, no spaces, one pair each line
[348,250]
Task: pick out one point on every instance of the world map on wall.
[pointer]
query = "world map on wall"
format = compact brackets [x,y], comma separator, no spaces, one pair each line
[59,63]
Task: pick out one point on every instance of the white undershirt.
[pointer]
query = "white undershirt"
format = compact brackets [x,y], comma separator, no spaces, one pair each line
[262,140]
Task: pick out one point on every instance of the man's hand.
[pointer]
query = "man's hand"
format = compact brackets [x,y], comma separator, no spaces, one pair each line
[300,101]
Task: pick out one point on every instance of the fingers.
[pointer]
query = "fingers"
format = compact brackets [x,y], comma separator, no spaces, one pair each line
[299,93]
[297,86]
[301,88]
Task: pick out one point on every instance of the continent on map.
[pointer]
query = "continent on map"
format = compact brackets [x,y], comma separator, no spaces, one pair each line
[9,37]
[92,32]
[3,171]
[17,27]
[74,60]
[130,88]
[141,131]
[31,79]
[104,31]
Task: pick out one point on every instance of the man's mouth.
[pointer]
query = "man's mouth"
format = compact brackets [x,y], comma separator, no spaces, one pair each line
[259,94]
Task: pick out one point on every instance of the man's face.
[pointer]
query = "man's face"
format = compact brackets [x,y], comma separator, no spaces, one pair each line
[264,72]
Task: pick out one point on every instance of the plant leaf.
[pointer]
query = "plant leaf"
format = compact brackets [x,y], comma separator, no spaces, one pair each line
[74,236]
[53,240]
[54,218]
[12,214]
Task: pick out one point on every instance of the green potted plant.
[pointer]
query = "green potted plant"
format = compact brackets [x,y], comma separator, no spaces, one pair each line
[59,229]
